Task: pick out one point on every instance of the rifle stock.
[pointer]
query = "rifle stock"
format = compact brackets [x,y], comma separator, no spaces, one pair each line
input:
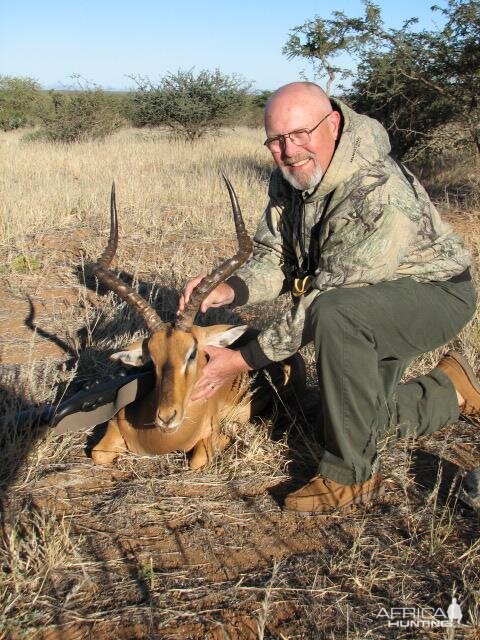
[90,406]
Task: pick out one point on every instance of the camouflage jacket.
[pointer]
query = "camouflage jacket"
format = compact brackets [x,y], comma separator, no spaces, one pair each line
[369,220]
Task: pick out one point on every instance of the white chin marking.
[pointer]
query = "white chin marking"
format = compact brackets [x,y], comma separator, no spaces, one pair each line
[171,428]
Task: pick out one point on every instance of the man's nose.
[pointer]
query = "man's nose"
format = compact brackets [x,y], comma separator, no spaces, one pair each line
[288,148]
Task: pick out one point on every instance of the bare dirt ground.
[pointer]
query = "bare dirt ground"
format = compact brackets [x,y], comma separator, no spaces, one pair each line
[149,549]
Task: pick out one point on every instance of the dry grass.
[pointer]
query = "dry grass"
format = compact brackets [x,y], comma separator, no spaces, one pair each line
[149,549]
[455,181]
[161,182]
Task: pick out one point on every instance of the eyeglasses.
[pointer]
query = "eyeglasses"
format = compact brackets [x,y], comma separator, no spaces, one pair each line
[300,137]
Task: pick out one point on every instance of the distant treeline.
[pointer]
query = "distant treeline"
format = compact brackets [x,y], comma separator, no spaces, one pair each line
[188,104]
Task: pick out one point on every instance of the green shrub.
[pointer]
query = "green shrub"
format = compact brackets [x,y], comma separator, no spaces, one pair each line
[252,115]
[86,113]
[189,104]
[21,101]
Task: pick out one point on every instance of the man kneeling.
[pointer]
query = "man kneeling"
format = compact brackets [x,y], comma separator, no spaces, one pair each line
[377,279]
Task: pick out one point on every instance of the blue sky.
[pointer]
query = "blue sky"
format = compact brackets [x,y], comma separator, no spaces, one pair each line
[105,41]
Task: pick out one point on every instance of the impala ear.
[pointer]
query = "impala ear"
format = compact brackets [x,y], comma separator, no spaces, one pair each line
[135,355]
[223,335]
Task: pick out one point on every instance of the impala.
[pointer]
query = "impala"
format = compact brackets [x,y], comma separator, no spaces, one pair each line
[166,419]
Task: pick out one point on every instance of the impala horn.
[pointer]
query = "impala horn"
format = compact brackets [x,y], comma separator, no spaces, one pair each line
[185,320]
[102,272]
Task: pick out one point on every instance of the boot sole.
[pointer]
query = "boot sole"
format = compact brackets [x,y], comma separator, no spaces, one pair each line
[470,373]
[365,498]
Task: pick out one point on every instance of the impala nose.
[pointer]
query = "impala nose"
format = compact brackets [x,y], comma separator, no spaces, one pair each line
[164,421]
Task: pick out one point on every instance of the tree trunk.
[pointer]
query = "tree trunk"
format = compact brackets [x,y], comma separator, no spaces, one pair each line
[331,78]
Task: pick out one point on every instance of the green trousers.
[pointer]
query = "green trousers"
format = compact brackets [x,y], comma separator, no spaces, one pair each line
[365,338]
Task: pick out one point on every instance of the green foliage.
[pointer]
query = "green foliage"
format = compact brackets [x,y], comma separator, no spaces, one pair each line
[189,104]
[252,114]
[84,113]
[22,263]
[20,102]
[320,41]
[123,101]
[259,98]
[415,82]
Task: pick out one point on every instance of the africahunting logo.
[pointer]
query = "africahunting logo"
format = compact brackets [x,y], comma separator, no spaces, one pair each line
[421,617]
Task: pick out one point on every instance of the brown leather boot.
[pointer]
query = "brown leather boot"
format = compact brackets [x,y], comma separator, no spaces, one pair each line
[322,495]
[464,380]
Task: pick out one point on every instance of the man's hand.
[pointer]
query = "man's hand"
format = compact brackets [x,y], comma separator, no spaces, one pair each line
[222,364]
[222,294]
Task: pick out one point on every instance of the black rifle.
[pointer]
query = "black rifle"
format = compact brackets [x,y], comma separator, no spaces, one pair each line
[92,405]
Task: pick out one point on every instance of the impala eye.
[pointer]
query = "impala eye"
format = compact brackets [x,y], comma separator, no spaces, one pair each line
[193,355]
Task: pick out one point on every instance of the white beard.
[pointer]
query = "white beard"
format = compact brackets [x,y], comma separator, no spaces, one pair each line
[307,183]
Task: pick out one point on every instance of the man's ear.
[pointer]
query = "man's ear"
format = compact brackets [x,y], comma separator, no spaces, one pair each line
[221,335]
[135,355]
[336,122]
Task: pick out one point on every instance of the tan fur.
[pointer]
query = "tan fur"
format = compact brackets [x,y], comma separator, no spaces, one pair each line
[138,427]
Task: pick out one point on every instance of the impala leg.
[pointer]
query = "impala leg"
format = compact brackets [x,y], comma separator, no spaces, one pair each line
[206,449]
[200,457]
[110,446]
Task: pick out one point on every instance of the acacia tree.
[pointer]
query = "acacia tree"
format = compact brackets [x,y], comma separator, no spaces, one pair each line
[189,104]
[321,41]
[413,81]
